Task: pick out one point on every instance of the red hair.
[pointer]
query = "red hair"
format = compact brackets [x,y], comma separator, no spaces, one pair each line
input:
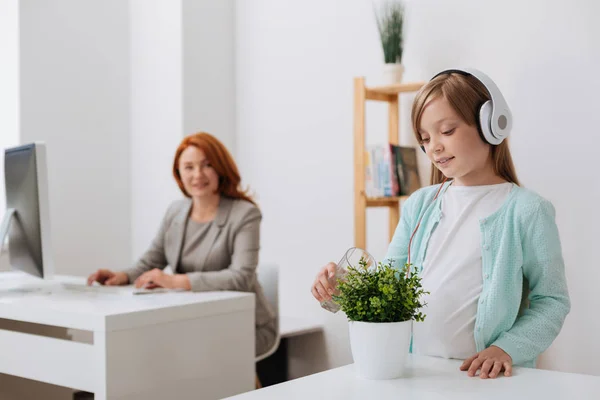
[220,159]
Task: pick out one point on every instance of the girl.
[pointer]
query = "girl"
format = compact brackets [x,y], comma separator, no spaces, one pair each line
[487,249]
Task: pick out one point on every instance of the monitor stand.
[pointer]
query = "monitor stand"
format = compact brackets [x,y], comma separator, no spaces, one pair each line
[5,226]
[23,288]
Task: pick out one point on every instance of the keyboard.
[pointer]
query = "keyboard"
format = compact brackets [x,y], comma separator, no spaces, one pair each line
[123,290]
[156,290]
[100,289]
[24,290]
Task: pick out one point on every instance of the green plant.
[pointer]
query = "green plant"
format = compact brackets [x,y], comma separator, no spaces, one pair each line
[390,22]
[382,294]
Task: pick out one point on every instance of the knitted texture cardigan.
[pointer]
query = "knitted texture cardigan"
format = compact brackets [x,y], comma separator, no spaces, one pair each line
[524,298]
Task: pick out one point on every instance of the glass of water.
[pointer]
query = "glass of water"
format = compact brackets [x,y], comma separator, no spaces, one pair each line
[351,258]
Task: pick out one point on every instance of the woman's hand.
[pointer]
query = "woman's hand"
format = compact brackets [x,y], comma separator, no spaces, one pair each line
[321,288]
[491,361]
[108,277]
[157,278]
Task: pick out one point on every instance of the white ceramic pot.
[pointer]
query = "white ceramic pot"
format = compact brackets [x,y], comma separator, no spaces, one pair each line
[392,73]
[380,349]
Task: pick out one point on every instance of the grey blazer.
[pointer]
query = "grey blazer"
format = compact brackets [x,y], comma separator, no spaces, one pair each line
[226,258]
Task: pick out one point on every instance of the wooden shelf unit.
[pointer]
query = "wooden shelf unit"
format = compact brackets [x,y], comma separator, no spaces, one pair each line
[389,94]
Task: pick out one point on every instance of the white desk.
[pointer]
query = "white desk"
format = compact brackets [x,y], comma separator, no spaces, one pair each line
[194,345]
[432,378]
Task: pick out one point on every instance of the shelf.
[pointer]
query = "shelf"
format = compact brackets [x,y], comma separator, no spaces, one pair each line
[390,92]
[384,201]
[390,95]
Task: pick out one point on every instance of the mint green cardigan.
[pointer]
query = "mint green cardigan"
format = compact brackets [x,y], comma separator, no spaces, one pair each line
[524,300]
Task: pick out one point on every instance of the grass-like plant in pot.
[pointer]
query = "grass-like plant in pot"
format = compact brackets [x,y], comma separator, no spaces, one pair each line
[381,304]
[390,25]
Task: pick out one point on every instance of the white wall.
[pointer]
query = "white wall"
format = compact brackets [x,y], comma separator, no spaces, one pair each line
[9,85]
[74,89]
[295,64]
[182,82]
[64,73]
[156,113]
[208,68]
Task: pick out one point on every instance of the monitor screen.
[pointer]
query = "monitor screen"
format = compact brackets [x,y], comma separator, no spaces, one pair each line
[27,218]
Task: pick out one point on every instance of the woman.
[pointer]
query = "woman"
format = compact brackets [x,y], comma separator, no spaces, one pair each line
[210,239]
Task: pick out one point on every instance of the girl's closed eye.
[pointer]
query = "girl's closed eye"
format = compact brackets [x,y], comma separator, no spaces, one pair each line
[449,131]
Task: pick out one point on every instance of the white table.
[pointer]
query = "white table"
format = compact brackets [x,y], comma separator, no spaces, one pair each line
[194,345]
[432,378]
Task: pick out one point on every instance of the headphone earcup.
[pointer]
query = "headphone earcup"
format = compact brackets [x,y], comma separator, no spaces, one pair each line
[485,119]
[485,124]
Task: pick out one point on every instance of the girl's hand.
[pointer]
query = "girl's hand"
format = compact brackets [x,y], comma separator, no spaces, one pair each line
[322,288]
[491,361]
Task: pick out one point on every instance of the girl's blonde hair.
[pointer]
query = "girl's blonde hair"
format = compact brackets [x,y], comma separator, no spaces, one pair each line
[466,94]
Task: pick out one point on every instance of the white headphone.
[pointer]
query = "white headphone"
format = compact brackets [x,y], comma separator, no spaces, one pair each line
[494,116]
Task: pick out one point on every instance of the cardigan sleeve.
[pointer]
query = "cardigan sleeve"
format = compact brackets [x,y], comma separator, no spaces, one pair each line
[549,303]
[397,252]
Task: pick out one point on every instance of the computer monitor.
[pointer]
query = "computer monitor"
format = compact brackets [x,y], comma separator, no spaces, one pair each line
[27,219]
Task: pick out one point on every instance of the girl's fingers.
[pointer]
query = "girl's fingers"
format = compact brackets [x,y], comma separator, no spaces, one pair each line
[467,363]
[507,368]
[485,368]
[324,281]
[496,370]
[316,294]
[475,365]
[322,292]
[330,268]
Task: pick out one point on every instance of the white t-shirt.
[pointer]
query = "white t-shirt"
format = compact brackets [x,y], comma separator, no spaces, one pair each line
[452,271]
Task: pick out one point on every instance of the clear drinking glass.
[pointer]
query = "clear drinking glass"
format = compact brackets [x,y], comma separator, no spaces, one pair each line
[350,258]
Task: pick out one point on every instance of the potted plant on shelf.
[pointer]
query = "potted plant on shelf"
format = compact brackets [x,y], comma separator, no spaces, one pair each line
[381,304]
[390,23]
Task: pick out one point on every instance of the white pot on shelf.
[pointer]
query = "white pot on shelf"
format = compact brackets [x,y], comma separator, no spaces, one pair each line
[392,73]
[380,349]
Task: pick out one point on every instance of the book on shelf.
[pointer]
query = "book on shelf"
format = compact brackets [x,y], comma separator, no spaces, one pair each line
[391,170]
[408,169]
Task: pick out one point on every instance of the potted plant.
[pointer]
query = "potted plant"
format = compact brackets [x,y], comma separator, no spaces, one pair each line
[381,304]
[390,23]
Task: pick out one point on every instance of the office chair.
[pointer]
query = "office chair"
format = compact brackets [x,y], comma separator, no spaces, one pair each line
[268,277]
